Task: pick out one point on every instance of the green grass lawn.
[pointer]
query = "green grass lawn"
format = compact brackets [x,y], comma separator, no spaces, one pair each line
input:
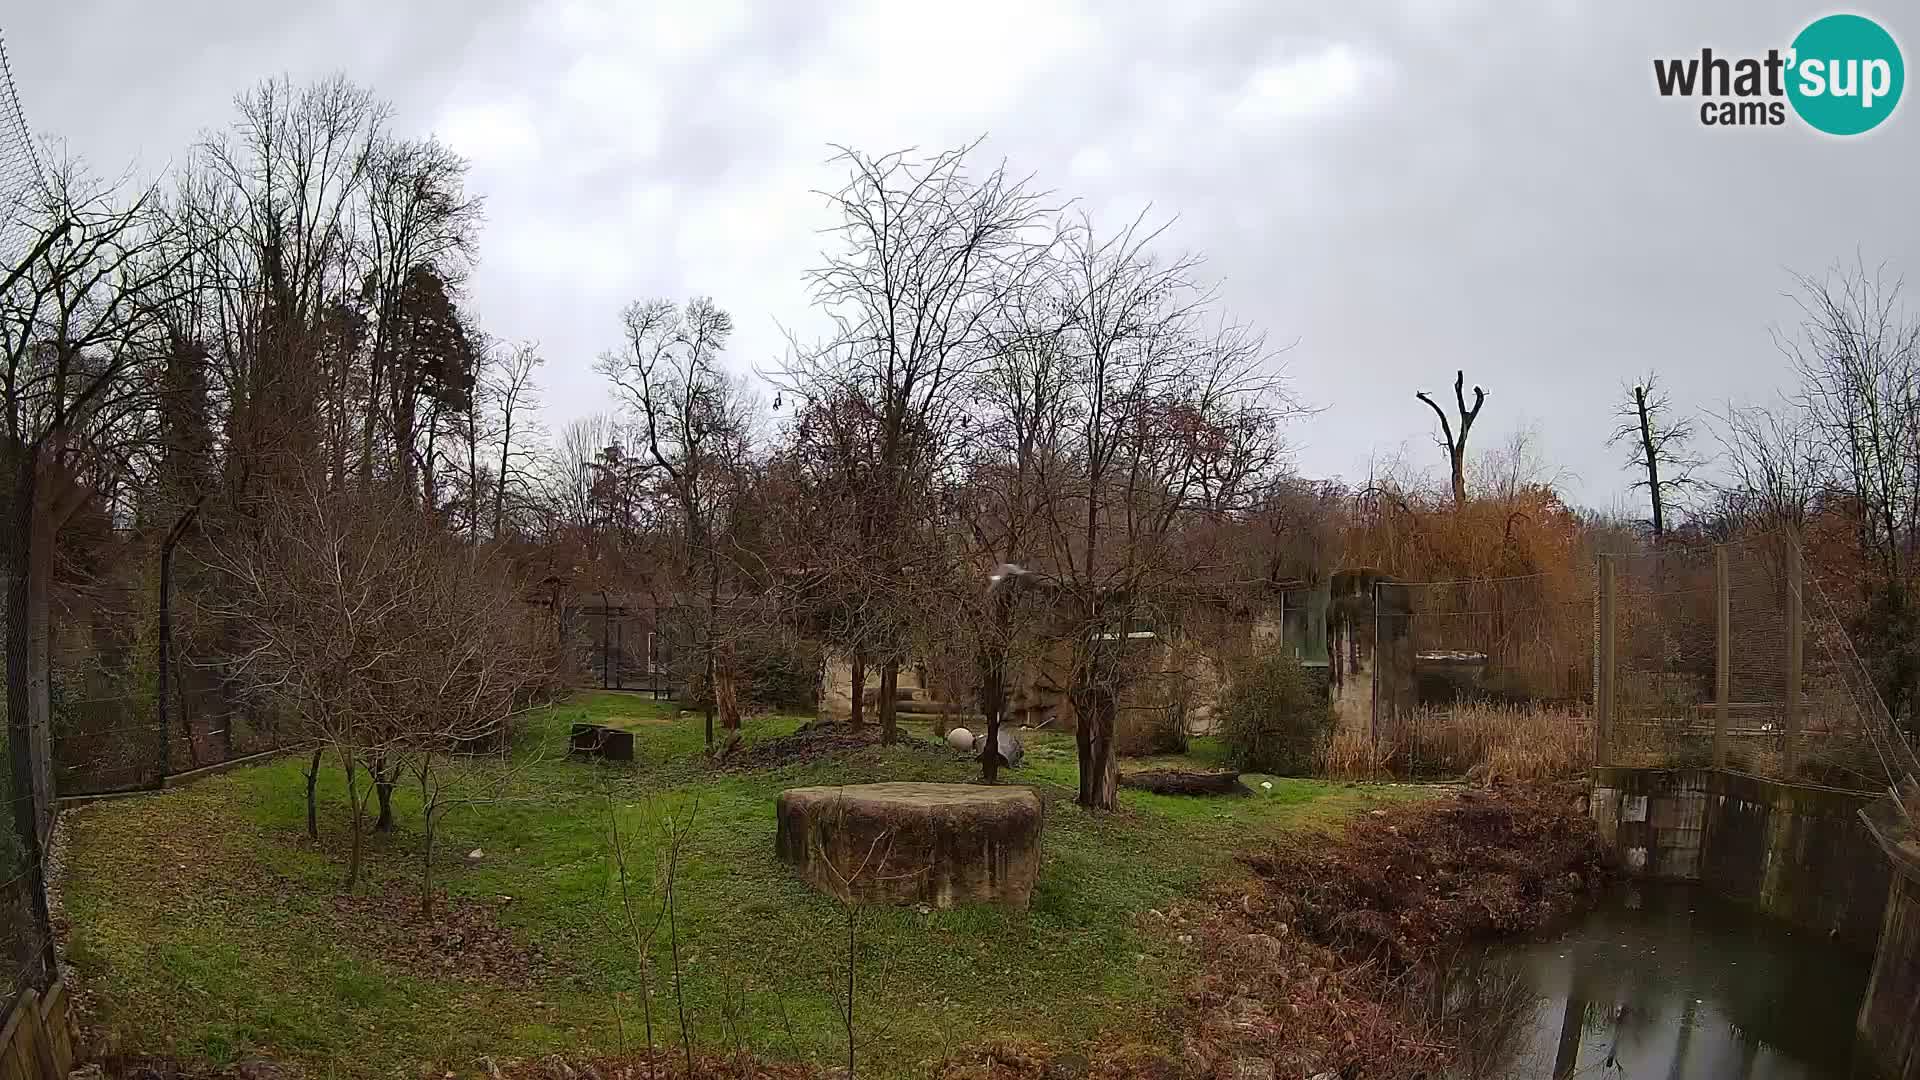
[205,924]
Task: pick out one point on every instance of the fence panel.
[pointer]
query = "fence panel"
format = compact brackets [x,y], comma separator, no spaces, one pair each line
[1454,660]
[1772,687]
[1664,650]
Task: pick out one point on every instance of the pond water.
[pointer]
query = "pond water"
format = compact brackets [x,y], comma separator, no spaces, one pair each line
[1670,981]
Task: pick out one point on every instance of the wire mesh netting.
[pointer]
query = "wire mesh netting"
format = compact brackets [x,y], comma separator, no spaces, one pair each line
[27,958]
[1664,657]
[115,743]
[625,644]
[1705,643]
[19,170]
[1460,663]
[1797,703]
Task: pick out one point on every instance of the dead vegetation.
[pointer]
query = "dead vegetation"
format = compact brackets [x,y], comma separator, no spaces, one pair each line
[462,940]
[1344,957]
[1481,741]
[815,741]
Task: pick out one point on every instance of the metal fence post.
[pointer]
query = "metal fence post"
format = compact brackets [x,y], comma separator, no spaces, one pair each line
[1795,635]
[1723,653]
[1603,705]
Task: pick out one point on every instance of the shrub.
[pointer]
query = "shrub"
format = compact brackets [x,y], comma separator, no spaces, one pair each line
[1275,718]
[772,672]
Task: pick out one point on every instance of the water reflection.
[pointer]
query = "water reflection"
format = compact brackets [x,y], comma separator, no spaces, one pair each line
[1662,981]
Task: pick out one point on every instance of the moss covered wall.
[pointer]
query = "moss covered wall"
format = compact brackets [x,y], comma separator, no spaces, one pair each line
[1798,853]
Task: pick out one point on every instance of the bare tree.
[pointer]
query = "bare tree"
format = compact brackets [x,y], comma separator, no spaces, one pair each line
[418,220]
[1167,421]
[1857,352]
[387,641]
[930,255]
[284,184]
[514,396]
[1858,356]
[1456,444]
[78,331]
[695,423]
[1776,465]
[1657,447]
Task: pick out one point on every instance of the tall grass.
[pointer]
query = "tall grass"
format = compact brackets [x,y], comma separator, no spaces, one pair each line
[1473,740]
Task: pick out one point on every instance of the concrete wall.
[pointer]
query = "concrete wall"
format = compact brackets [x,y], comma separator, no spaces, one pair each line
[1796,852]
[1889,1022]
[1890,1015]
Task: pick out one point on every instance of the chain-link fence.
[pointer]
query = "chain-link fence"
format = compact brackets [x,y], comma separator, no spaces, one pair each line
[1727,655]
[20,172]
[27,959]
[623,644]
[1454,662]
[104,745]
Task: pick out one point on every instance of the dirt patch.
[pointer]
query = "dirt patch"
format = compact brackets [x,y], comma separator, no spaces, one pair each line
[667,1062]
[1014,1060]
[463,940]
[1330,957]
[814,741]
[1184,782]
[145,1067]
[1003,1060]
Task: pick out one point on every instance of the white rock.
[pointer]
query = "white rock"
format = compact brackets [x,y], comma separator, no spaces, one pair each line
[960,739]
[476,855]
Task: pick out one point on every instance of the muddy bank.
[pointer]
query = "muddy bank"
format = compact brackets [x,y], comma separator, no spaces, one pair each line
[1339,956]
[818,740]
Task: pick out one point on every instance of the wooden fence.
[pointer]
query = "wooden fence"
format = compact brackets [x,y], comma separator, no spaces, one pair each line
[37,1041]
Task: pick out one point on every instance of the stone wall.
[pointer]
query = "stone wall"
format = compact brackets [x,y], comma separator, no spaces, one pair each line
[1796,852]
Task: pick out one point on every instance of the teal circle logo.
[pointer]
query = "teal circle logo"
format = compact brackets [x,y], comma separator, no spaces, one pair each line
[1846,74]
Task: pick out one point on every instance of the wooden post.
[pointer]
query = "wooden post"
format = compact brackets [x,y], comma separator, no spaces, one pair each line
[1723,653]
[1795,632]
[1603,691]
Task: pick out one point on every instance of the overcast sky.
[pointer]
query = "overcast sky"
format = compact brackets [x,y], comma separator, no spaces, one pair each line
[1401,188]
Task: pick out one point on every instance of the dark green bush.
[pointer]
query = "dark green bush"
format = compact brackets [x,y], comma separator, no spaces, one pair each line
[1275,718]
[773,672]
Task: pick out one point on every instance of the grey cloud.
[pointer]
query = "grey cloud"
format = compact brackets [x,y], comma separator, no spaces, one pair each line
[1502,189]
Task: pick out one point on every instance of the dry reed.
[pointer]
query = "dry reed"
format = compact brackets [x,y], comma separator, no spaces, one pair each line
[1479,741]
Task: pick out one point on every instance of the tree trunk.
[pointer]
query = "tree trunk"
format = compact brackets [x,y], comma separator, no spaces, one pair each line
[1083,756]
[164,673]
[500,479]
[383,781]
[359,814]
[1652,455]
[726,695]
[858,687]
[1094,712]
[713,667]
[313,778]
[39,657]
[993,699]
[1180,782]
[889,687]
[427,801]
